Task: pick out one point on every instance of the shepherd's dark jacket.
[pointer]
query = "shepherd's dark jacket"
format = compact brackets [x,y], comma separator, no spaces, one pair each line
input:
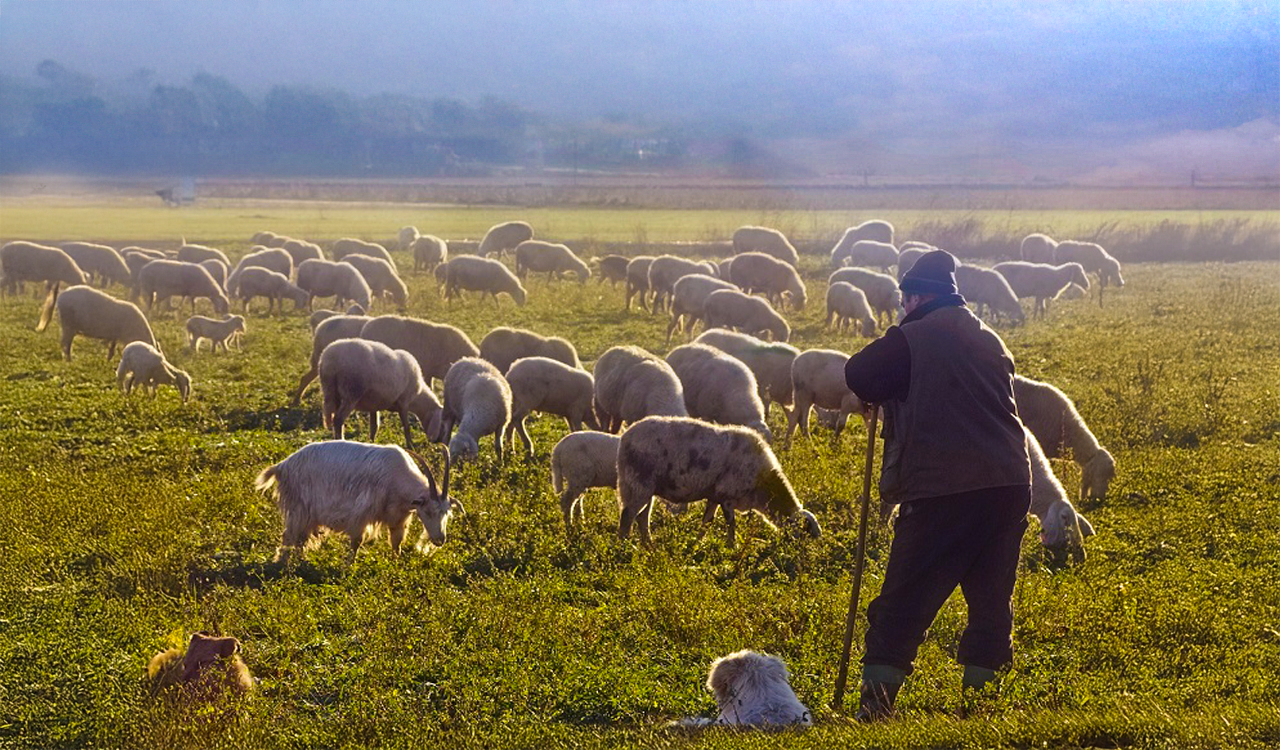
[951,425]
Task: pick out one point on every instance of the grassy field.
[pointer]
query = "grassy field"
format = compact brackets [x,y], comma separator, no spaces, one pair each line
[127,524]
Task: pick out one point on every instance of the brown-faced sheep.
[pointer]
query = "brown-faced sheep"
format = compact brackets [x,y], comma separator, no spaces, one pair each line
[765,240]
[323,278]
[550,258]
[729,308]
[98,315]
[366,376]
[546,385]
[477,400]
[27,261]
[218,332]
[142,364]
[99,262]
[503,237]
[436,346]
[429,251]
[632,384]
[503,345]
[210,666]
[718,388]
[470,273]
[381,278]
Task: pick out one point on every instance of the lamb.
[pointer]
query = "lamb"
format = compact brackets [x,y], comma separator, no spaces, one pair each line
[683,460]
[218,270]
[328,331]
[348,486]
[143,364]
[632,384]
[758,272]
[270,258]
[323,278]
[503,237]
[276,287]
[197,253]
[770,363]
[754,690]
[319,316]
[162,279]
[765,240]
[638,280]
[879,231]
[1052,418]
[469,273]
[381,278]
[99,261]
[718,387]
[218,332]
[988,288]
[549,258]
[818,378]
[301,250]
[665,270]
[689,297]
[847,303]
[367,376]
[1062,529]
[429,251]
[1040,280]
[27,261]
[502,346]
[1038,248]
[613,268]
[407,236]
[881,290]
[580,461]
[729,308]
[477,400]
[436,346]
[350,246]
[872,253]
[210,666]
[546,385]
[98,315]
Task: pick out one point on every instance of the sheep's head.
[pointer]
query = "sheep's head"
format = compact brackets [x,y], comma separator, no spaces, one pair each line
[762,428]
[518,294]
[464,447]
[239,326]
[780,330]
[205,650]
[1078,276]
[1062,533]
[869,327]
[427,409]
[300,297]
[183,381]
[434,506]
[731,676]
[220,304]
[1097,475]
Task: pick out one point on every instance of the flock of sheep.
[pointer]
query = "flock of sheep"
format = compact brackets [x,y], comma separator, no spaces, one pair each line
[685,427]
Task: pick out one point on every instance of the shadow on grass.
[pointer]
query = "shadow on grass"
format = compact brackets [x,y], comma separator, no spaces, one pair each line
[240,573]
[284,419]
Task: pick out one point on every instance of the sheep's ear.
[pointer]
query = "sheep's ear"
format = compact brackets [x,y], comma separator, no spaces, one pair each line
[1086,528]
[458,506]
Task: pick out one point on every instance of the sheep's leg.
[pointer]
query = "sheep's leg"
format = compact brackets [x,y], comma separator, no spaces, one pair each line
[397,535]
[675,323]
[523,432]
[306,380]
[642,523]
[497,445]
[67,336]
[630,509]
[353,546]
[375,421]
[568,504]
[111,349]
[408,433]
[340,414]
[731,525]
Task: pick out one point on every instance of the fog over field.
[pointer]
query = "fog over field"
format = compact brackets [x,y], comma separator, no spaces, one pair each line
[1103,91]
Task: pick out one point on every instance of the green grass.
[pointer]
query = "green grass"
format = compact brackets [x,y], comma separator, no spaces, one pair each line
[126,524]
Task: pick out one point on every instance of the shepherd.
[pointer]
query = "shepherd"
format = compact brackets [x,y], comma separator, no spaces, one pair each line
[955,463]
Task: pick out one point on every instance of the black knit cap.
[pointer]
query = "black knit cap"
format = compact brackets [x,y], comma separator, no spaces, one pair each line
[933,273]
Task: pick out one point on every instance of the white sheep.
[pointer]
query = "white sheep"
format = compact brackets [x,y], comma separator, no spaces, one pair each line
[98,315]
[471,273]
[1062,528]
[301,250]
[638,280]
[436,346]
[580,461]
[875,229]
[881,289]
[328,331]
[689,298]
[503,345]
[718,387]
[323,278]
[319,316]
[503,237]
[1038,248]
[276,287]
[135,258]
[683,460]
[550,258]
[142,364]
[407,236]
[381,278]
[350,487]
[367,376]
[765,240]
[818,378]
[27,261]
[270,258]
[429,251]
[758,272]
[161,279]
[100,261]
[549,386]
[769,362]
[218,270]
[908,257]
[847,303]
[987,288]
[189,253]
[1040,280]
[477,400]
[729,308]
[1052,418]
[613,268]
[1109,273]
[632,384]
[1094,259]
[218,332]
[665,270]
[351,246]
[872,253]
[267,238]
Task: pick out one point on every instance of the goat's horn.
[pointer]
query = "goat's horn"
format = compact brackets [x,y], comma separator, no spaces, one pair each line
[444,491]
[431,480]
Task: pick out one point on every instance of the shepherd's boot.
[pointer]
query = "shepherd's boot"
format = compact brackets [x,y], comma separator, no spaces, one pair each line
[979,689]
[879,690]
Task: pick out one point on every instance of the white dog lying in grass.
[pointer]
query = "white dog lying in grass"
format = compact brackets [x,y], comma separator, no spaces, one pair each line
[752,690]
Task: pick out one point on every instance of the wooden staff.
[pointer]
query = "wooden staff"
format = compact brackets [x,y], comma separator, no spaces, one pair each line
[843,675]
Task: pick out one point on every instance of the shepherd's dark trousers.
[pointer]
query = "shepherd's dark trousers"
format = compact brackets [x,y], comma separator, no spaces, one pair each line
[971,540]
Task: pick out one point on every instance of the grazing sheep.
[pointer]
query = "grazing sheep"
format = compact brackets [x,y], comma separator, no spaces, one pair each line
[683,460]
[267,238]
[770,363]
[688,298]
[1038,248]
[503,237]
[502,346]
[818,378]
[908,257]
[881,289]
[876,230]
[638,280]
[874,254]
[436,346]
[1062,529]
[847,303]
[407,236]
[381,278]
[135,258]
[218,332]
[549,258]
[270,258]
[632,384]
[218,270]
[729,308]
[1094,259]
[477,400]
[98,315]
[301,250]
[1040,280]
[161,279]
[276,287]
[914,245]
[348,487]
[142,364]
[470,273]
[1072,291]
[765,240]
[718,387]
[197,253]
[547,385]
[328,331]
[210,666]
[1052,418]
[613,268]
[429,251]
[758,272]
[323,278]
[367,376]
[99,262]
[754,690]
[27,261]
[580,461]
[350,246]
[666,270]
[1109,273]
[985,287]
[319,316]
